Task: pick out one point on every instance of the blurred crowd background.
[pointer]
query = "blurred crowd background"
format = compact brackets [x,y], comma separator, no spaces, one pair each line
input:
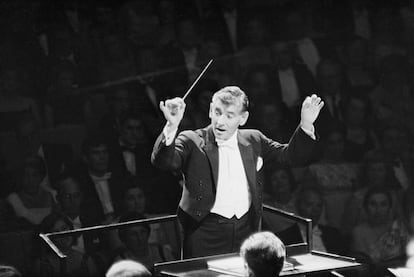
[80,83]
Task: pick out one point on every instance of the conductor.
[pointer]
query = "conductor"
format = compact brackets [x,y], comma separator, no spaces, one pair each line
[221,202]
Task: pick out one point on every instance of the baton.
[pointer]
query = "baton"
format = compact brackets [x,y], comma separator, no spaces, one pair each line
[196,80]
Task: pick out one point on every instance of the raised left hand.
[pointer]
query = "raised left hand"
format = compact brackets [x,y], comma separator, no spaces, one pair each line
[311,107]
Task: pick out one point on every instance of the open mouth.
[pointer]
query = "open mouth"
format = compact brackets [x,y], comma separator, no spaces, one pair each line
[220,130]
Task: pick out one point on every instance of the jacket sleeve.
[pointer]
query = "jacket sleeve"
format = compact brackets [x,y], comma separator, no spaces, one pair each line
[174,156]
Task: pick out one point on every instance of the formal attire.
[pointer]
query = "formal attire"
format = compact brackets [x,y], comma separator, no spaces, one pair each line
[204,210]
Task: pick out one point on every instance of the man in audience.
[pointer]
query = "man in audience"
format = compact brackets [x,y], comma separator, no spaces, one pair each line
[293,81]
[71,204]
[130,155]
[332,86]
[102,189]
[264,255]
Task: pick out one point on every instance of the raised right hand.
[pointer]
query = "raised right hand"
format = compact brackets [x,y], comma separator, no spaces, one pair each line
[173,110]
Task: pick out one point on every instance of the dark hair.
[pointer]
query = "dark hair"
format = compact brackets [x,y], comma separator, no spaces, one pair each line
[47,224]
[230,95]
[37,163]
[377,190]
[91,142]
[300,196]
[130,216]
[9,271]
[130,114]
[292,181]
[264,254]
[65,176]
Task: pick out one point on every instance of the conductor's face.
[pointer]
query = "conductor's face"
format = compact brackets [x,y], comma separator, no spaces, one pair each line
[226,118]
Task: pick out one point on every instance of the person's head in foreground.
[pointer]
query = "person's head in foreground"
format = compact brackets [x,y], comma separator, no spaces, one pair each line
[264,254]
[127,268]
[9,271]
[228,111]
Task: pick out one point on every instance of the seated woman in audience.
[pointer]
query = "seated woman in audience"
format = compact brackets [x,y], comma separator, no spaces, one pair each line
[137,246]
[334,177]
[77,263]
[281,188]
[375,172]
[32,201]
[380,240]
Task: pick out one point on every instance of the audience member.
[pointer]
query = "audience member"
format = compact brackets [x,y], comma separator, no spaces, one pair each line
[358,69]
[375,173]
[72,206]
[255,36]
[102,190]
[379,241]
[77,263]
[359,137]
[294,81]
[118,102]
[13,102]
[331,84]
[9,271]
[310,204]
[395,148]
[264,255]
[391,99]
[64,103]
[31,201]
[334,176]
[280,190]
[130,155]
[137,246]
[127,268]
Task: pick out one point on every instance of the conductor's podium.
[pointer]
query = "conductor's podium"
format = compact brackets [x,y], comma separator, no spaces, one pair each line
[301,259]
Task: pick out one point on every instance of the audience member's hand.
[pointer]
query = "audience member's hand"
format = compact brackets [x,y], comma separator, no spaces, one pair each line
[173,110]
[310,110]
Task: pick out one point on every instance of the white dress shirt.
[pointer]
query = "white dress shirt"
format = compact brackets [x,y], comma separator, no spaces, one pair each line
[80,244]
[102,189]
[232,196]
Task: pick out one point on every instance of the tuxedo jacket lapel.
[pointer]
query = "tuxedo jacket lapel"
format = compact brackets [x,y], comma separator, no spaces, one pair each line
[211,150]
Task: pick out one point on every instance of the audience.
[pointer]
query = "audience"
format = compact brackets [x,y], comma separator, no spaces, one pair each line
[137,246]
[56,58]
[380,240]
[264,255]
[310,204]
[77,263]
[31,201]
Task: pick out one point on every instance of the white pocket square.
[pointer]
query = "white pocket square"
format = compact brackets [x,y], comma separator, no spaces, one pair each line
[259,163]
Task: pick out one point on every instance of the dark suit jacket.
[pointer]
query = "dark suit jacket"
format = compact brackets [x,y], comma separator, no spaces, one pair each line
[92,205]
[195,154]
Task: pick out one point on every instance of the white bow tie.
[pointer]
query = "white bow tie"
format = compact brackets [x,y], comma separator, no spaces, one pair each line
[105,177]
[226,143]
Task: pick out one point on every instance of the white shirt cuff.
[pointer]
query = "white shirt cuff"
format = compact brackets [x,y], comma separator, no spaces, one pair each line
[310,132]
[169,135]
